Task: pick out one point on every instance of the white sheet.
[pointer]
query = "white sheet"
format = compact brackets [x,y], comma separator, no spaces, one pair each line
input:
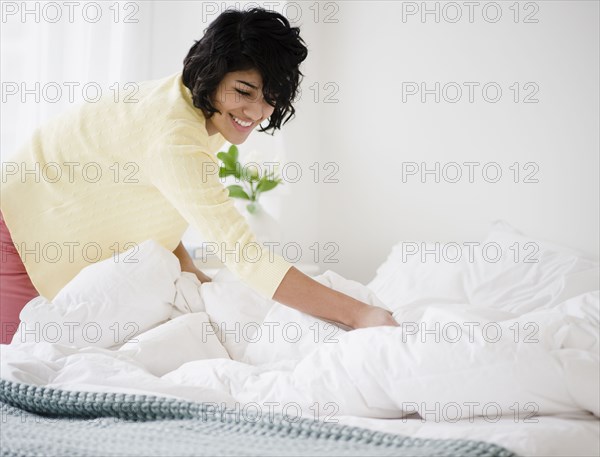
[544,360]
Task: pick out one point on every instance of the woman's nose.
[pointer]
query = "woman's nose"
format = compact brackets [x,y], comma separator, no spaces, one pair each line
[258,110]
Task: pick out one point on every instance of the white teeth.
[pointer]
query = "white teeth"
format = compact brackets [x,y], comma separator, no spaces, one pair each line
[242,123]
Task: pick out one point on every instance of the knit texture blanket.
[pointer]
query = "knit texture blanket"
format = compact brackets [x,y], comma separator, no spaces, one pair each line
[40,421]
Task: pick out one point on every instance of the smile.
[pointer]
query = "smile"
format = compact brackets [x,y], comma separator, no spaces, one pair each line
[241,123]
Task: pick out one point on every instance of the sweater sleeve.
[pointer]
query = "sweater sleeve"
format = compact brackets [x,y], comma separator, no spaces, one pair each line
[188,178]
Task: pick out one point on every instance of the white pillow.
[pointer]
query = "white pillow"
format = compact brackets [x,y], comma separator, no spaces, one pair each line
[519,274]
[108,302]
[579,283]
[410,281]
[407,281]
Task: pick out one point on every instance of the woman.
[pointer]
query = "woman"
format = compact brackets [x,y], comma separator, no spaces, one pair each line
[106,176]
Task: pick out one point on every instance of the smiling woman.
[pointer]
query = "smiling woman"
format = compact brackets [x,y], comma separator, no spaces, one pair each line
[150,171]
[236,118]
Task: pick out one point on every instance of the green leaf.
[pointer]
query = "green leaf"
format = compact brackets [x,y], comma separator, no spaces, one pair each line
[227,160]
[234,153]
[236,191]
[224,172]
[251,207]
[266,184]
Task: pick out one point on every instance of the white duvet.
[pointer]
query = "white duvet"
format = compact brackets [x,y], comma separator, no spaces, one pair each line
[145,327]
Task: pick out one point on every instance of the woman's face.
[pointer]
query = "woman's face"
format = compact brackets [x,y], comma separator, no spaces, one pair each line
[241,104]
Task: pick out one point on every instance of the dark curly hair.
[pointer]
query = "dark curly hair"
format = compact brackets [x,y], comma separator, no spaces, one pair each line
[244,40]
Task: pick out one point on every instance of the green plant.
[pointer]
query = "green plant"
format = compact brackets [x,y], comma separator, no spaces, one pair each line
[252,183]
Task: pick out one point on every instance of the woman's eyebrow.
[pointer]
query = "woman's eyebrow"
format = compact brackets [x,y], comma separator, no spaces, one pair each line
[246,83]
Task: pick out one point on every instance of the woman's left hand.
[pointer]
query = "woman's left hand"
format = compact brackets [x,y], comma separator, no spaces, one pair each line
[373,316]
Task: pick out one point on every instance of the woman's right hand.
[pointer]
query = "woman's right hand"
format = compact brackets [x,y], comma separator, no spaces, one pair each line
[201,276]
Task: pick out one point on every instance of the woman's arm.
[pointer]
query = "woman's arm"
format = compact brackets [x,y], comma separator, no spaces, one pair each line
[187,263]
[177,172]
[303,293]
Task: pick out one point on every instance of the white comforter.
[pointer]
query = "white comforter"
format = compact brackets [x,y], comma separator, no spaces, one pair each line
[145,327]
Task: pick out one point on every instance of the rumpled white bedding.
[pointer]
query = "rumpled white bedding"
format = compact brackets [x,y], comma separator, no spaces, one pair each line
[145,327]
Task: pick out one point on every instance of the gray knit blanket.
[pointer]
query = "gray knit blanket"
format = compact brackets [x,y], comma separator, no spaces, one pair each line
[40,421]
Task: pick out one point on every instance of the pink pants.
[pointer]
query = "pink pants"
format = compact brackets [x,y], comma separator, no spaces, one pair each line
[16,288]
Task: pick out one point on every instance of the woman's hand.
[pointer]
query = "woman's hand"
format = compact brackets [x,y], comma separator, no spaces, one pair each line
[303,293]
[201,276]
[373,316]
[187,263]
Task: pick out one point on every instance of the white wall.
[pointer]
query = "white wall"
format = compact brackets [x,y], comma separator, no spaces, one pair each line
[370,132]
[51,51]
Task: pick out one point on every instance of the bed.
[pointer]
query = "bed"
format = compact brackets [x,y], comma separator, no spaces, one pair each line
[496,354]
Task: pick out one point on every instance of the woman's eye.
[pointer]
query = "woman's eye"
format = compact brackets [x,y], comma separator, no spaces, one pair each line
[244,93]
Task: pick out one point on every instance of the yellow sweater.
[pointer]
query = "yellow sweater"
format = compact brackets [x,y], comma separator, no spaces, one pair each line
[106,176]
